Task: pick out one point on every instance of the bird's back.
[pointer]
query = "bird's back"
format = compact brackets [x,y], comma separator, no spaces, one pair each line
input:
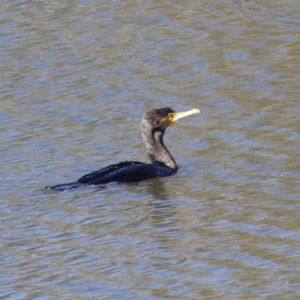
[128,171]
[123,172]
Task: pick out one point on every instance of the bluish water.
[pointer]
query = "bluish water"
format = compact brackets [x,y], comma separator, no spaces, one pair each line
[76,78]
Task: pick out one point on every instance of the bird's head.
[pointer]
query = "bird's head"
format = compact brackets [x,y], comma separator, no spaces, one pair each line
[160,118]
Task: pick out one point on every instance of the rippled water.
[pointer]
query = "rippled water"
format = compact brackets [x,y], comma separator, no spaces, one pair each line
[76,77]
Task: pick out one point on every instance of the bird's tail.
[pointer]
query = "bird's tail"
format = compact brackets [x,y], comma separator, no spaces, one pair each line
[64,186]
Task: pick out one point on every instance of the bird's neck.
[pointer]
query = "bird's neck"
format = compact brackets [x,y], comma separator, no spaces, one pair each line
[157,151]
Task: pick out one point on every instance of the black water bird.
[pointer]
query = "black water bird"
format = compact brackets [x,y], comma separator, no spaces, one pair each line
[153,126]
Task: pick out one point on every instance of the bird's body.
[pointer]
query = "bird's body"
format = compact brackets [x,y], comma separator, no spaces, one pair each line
[127,171]
[153,126]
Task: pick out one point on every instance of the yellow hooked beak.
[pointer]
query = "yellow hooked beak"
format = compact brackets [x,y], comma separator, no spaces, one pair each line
[173,117]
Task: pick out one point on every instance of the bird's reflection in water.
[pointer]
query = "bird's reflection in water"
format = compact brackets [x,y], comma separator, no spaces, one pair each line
[163,214]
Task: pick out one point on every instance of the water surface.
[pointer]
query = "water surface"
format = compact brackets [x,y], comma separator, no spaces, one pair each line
[76,78]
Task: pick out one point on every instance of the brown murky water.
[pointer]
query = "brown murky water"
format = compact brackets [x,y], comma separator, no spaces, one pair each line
[76,77]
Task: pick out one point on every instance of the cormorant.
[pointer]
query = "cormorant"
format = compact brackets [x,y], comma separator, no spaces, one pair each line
[153,126]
